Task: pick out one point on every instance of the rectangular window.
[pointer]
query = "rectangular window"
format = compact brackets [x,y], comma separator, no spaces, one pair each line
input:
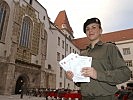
[70,49]
[58,56]
[60,84]
[129,63]
[49,66]
[73,50]
[126,51]
[63,44]
[31,2]
[132,75]
[61,72]
[59,41]
[63,56]
[66,47]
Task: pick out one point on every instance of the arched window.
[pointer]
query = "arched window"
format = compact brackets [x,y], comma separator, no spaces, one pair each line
[4,14]
[25,32]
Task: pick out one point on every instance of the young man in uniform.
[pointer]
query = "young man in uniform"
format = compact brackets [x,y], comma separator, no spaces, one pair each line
[108,66]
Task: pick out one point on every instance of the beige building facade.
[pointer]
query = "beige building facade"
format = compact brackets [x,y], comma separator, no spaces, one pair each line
[24,27]
[126,49]
[30,49]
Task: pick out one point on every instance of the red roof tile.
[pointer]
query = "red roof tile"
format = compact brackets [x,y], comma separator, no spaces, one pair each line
[62,19]
[81,43]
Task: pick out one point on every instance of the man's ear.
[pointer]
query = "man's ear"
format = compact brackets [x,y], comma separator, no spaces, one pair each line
[101,30]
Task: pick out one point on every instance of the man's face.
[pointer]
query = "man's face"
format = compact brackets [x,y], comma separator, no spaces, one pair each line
[93,31]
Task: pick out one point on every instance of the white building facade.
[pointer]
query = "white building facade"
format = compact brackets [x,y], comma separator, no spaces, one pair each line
[126,49]
[59,46]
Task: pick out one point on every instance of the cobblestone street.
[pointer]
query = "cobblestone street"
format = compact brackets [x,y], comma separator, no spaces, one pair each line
[17,97]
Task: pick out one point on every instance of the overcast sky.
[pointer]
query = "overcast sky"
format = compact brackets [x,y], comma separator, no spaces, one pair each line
[115,15]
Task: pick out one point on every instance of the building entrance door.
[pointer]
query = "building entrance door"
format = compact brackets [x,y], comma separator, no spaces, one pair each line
[19,84]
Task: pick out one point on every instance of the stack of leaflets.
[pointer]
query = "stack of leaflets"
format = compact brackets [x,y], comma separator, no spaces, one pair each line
[75,63]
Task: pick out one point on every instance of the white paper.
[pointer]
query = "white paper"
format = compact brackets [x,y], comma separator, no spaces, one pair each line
[67,61]
[75,63]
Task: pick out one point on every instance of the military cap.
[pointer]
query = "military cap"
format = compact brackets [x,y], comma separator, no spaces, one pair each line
[90,21]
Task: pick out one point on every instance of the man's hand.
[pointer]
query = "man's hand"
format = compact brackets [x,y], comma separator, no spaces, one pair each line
[69,75]
[89,72]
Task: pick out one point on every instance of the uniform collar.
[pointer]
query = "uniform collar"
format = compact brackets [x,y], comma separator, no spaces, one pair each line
[99,43]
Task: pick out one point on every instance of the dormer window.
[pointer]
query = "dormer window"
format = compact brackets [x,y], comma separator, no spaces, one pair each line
[64,26]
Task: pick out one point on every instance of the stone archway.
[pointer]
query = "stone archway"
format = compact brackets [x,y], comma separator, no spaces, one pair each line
[23,79]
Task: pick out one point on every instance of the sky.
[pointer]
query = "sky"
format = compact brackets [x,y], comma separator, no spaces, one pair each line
[115,15]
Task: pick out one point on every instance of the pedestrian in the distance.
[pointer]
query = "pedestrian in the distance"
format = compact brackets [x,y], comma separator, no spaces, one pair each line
[22,91]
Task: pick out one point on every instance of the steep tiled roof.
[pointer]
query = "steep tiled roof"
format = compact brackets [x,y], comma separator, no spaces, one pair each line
[81,43]
[62,19]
